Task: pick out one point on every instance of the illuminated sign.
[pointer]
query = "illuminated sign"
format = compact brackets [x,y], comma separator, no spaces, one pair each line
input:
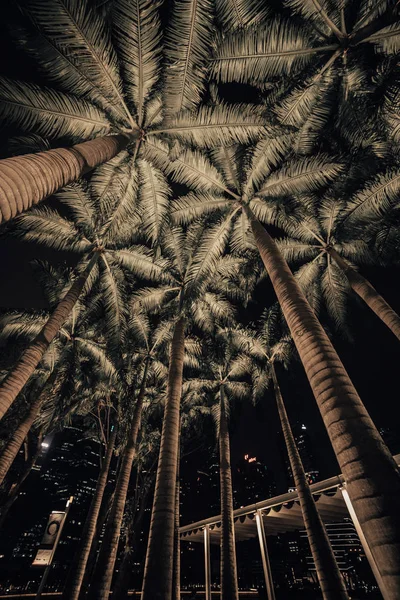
[250,459]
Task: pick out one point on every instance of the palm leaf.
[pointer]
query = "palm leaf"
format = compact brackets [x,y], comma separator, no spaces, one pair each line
[138,43]
[257,55]
[216,125]
[79,32]
[235,14]
[188,208]
[187,47]
[304,175]
[46,227]
[266,155]
[153,205]
[376,199]
[49,113]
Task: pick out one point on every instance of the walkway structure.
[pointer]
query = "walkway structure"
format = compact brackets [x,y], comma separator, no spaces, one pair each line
[279,515]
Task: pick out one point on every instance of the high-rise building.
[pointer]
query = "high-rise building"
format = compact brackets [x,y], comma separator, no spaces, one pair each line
[252,481]
[69,466]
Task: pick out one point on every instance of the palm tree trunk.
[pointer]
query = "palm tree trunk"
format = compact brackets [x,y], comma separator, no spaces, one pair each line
[28,179]
[90,573]
[120,591]
[371,474]
[73,587]
[229,584]
[14,491]
[12,448]
[368,293]
[30,358]
[121,490]
[157,581]
[176,581]
[329,577]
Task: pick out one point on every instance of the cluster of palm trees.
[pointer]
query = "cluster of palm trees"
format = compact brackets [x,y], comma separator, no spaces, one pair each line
[169,195]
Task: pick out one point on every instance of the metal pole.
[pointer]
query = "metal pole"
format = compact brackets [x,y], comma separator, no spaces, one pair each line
[364,543]
[207,561]
[269,584]
[48,568]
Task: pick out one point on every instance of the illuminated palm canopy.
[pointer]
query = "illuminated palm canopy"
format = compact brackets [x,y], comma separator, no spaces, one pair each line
[205,144]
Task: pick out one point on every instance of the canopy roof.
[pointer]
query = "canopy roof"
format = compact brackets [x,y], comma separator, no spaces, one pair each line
[280,514]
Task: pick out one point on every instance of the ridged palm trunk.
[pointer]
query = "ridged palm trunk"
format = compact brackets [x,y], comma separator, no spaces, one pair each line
[30,358]
[15,489]
[73,587]
[157,581]
[12,448]
[176,582]
[229,584]
[28,179]
[121,490]
[329,577]
[371,474]
[368,293]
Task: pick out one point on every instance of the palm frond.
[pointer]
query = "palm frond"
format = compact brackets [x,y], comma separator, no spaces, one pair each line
[153,298]
[187,47]
[301,176]
[266,155]
[27,144]
[188,208]
[80,206]
[237,14]
[59,69]
[48,228]
[139,261]
[154,194]
[335,290]
[256,55]
[295,251]
[112,300]
[48,112]
[374,200]
[79,32]
[222,124]
[138,43]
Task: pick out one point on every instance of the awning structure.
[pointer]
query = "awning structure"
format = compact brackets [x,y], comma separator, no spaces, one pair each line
[279,514]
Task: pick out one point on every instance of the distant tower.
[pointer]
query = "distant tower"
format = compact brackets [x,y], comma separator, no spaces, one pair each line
[306,450]
[252,481]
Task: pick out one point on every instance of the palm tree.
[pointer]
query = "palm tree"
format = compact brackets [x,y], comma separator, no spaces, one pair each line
[323,238]
[76,345]
[321,66]
[343,413]
[146,462]
[150,341]
[94,231]
[265,352]
[224,379]
[79,564]
[107,72]
[193,301]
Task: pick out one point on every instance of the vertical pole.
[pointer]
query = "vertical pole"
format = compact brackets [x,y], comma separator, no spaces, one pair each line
[364,543]
[264,556]
[207,561]
[48,568]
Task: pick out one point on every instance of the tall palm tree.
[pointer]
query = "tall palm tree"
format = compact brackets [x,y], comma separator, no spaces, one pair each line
[329,249]
[146,463]
[107,71]
[94,231]
[74,345]
[367,464]
[192,299]
[265,351]
[79,564]
[149,341]
[224,379]
[321,66]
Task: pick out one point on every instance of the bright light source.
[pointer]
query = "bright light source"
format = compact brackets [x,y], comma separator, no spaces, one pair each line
[303,427]
[45,445]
